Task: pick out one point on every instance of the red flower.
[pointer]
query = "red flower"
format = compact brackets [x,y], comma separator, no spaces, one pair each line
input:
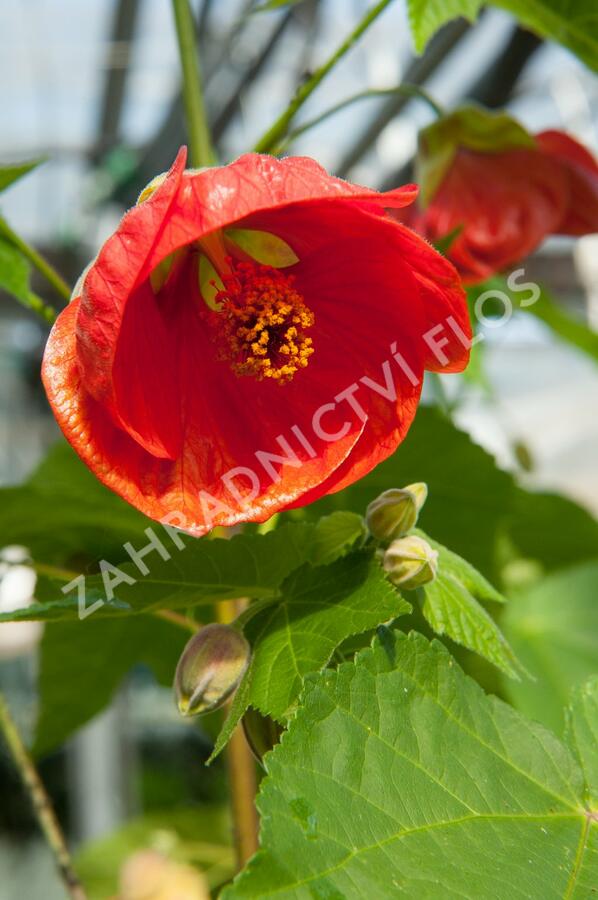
[237,345]
[505,189]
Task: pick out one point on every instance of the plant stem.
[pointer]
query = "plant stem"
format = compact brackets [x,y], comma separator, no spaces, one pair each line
[277,132]
[200,143]
[36,260]
[241,770]
[408,90]
[35,303]
[41,803]
[175,618]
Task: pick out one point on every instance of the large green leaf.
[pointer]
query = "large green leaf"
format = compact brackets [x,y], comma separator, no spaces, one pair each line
[462,512]
[582,734]
[83,663]
[64,515]
[399,776]
[203,572]
[553,628]
[551,529]
[319,609]
[451,607]
[573,23]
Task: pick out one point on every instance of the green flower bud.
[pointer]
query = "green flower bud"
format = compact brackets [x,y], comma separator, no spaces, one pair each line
[395,512]
[410,562]
[210,669]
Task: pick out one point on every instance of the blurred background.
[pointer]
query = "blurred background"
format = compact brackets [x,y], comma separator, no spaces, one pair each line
[95,88]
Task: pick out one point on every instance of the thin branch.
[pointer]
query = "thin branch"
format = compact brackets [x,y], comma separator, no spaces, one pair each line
[200,142]
[404,90]
[42,265]
[35,303]
[241,770]
[42,805]
[169,615]
[277,132]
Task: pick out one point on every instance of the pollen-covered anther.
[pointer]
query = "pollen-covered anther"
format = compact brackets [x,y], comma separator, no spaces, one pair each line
[261,328]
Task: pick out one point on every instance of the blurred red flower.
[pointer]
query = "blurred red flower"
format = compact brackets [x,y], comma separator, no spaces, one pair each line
[229,351]
[501,190]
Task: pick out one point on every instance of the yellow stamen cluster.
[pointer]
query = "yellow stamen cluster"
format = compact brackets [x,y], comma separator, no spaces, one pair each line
[262,323]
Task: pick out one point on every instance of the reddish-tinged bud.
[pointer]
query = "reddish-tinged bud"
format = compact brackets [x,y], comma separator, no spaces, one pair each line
[210,669]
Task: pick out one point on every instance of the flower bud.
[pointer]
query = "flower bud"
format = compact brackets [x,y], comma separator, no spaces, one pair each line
[395,512]
[410,562]
[210,669]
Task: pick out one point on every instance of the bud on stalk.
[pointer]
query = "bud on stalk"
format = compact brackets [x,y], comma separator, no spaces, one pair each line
[410,562]
[210,669]
[395,511]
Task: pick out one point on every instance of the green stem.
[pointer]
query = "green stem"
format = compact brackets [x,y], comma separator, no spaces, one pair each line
[200,143]
[272,138]
[35,303]
[407,90]
[241,768]
[36,260]
[41,803]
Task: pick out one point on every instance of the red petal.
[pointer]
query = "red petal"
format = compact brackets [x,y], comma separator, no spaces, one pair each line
[123,359]
[581,216]
[506,202]
[219,196]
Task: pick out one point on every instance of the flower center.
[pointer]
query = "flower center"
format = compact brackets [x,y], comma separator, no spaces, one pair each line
[262,323]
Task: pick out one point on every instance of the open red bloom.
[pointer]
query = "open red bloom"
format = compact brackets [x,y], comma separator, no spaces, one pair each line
[250,338]
[504,189]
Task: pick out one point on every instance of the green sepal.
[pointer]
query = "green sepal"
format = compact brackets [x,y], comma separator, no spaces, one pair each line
[471,127]
[265,248]
[210,283]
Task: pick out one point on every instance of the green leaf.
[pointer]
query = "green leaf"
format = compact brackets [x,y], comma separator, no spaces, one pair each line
[65,516]
[11,172]
[14,271]
[319,609]
[450,606]
[465,513]
[553,628]
[552,530]
[335,535]
[564,326]
[83,663]
[573,23]
[582,734]
[399,776]
[425,17]
[203,572]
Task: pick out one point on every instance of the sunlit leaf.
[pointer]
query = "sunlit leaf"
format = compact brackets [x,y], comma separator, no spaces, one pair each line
[451,607]
[553,628]
[297,634]
[399,776]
